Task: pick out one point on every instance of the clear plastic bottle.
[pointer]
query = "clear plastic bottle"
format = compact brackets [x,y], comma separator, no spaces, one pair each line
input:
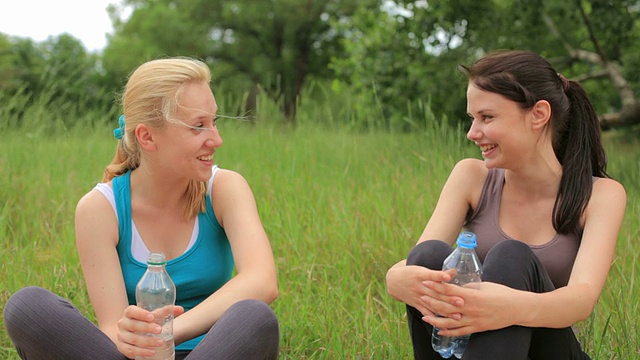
[156,292]
[466,268]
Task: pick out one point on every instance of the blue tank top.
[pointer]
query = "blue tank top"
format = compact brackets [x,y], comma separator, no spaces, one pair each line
[198,273]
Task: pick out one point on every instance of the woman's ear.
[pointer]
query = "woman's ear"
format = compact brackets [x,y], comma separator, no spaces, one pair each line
[540,114]
[145,137]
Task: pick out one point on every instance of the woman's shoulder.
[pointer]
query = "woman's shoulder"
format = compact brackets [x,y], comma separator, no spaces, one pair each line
[226,177]
[231,195]
[470,171]
[228,184]
[95,219]
[608,189]
[469,176]
[608,200]
[96,199]
[471,165]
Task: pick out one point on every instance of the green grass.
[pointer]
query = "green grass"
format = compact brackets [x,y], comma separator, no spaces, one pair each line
[339,208]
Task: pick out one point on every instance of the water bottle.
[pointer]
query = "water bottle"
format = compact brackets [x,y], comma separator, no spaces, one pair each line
[156,292]
[466,268]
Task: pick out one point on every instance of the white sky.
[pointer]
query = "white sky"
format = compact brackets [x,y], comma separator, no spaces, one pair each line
[86,20]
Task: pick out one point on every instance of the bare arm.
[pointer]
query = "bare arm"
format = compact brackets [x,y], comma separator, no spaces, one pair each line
[236,209]
[96,230]
[459,193]
[96,238]
[575,302]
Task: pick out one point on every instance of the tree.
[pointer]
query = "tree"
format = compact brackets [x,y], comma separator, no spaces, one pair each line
[411,50]
[273,45]
[8,65]
[58,72]
[70,72]
[610,28]
[401,61]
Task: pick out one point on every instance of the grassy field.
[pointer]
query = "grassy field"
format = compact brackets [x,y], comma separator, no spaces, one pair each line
[339,208]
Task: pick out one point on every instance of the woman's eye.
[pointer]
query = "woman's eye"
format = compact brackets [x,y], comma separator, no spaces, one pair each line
[203,125]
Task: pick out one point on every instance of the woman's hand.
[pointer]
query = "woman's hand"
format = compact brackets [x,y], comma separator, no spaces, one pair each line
[469,309]
[133,329]
[407,284]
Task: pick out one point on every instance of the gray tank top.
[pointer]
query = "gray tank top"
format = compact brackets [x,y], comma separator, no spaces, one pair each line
[557,255]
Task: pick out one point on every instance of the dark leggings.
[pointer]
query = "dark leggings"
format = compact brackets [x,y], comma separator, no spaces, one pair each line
[43,325]
[511,263]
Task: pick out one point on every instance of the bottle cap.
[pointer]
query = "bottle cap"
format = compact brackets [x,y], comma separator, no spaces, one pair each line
[466,240]
[156,259]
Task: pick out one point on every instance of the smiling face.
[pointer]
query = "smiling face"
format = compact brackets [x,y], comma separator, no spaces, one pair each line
[188,142]
[499,127]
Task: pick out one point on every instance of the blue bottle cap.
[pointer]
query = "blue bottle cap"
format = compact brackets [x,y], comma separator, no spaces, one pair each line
[467,240]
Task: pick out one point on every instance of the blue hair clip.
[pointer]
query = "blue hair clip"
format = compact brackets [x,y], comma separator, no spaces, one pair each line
[119,131]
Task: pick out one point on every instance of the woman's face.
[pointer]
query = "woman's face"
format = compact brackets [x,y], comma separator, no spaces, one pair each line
[498,128]
[188,146]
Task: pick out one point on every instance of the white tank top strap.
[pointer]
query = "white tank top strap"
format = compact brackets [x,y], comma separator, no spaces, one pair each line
[214,171]
[107,191]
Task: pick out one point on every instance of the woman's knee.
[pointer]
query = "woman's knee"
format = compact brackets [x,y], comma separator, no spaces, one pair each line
[21,308]
[509,253]
[512,263]
[261,332]
[262,315]
[23,300]
[430,254]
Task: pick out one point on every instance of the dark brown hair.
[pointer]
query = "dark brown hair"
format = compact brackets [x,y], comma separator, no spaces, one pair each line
[526,78]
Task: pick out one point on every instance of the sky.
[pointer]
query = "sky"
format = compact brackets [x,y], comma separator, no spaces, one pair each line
[86,20]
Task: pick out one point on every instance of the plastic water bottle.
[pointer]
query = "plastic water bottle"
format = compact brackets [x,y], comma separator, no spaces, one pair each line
[466,268]
[156,292]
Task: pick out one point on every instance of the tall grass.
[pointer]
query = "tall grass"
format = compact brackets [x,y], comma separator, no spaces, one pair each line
[340,208]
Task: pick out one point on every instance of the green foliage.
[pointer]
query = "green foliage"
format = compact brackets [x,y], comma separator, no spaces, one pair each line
[613,24]
[339,206]
[397,61]
[402,61]
[8,61]
[274,45]
[360,213]
[411,50]
[57,77]
[153,30]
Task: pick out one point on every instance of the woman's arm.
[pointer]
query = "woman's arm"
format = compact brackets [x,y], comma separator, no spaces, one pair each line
[96,230]
[575,302]
[497,306]
[460,192]
[96,238]
[235,207]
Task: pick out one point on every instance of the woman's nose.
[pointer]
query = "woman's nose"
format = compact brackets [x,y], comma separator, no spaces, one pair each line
[215,140]
[474,132]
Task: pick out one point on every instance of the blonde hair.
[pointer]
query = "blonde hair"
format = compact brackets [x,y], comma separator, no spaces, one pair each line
[151,97]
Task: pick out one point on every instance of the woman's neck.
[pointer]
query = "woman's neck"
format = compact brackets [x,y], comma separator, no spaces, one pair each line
[156,189]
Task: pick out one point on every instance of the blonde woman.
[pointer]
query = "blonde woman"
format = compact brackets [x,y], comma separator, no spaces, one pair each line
[162,193]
